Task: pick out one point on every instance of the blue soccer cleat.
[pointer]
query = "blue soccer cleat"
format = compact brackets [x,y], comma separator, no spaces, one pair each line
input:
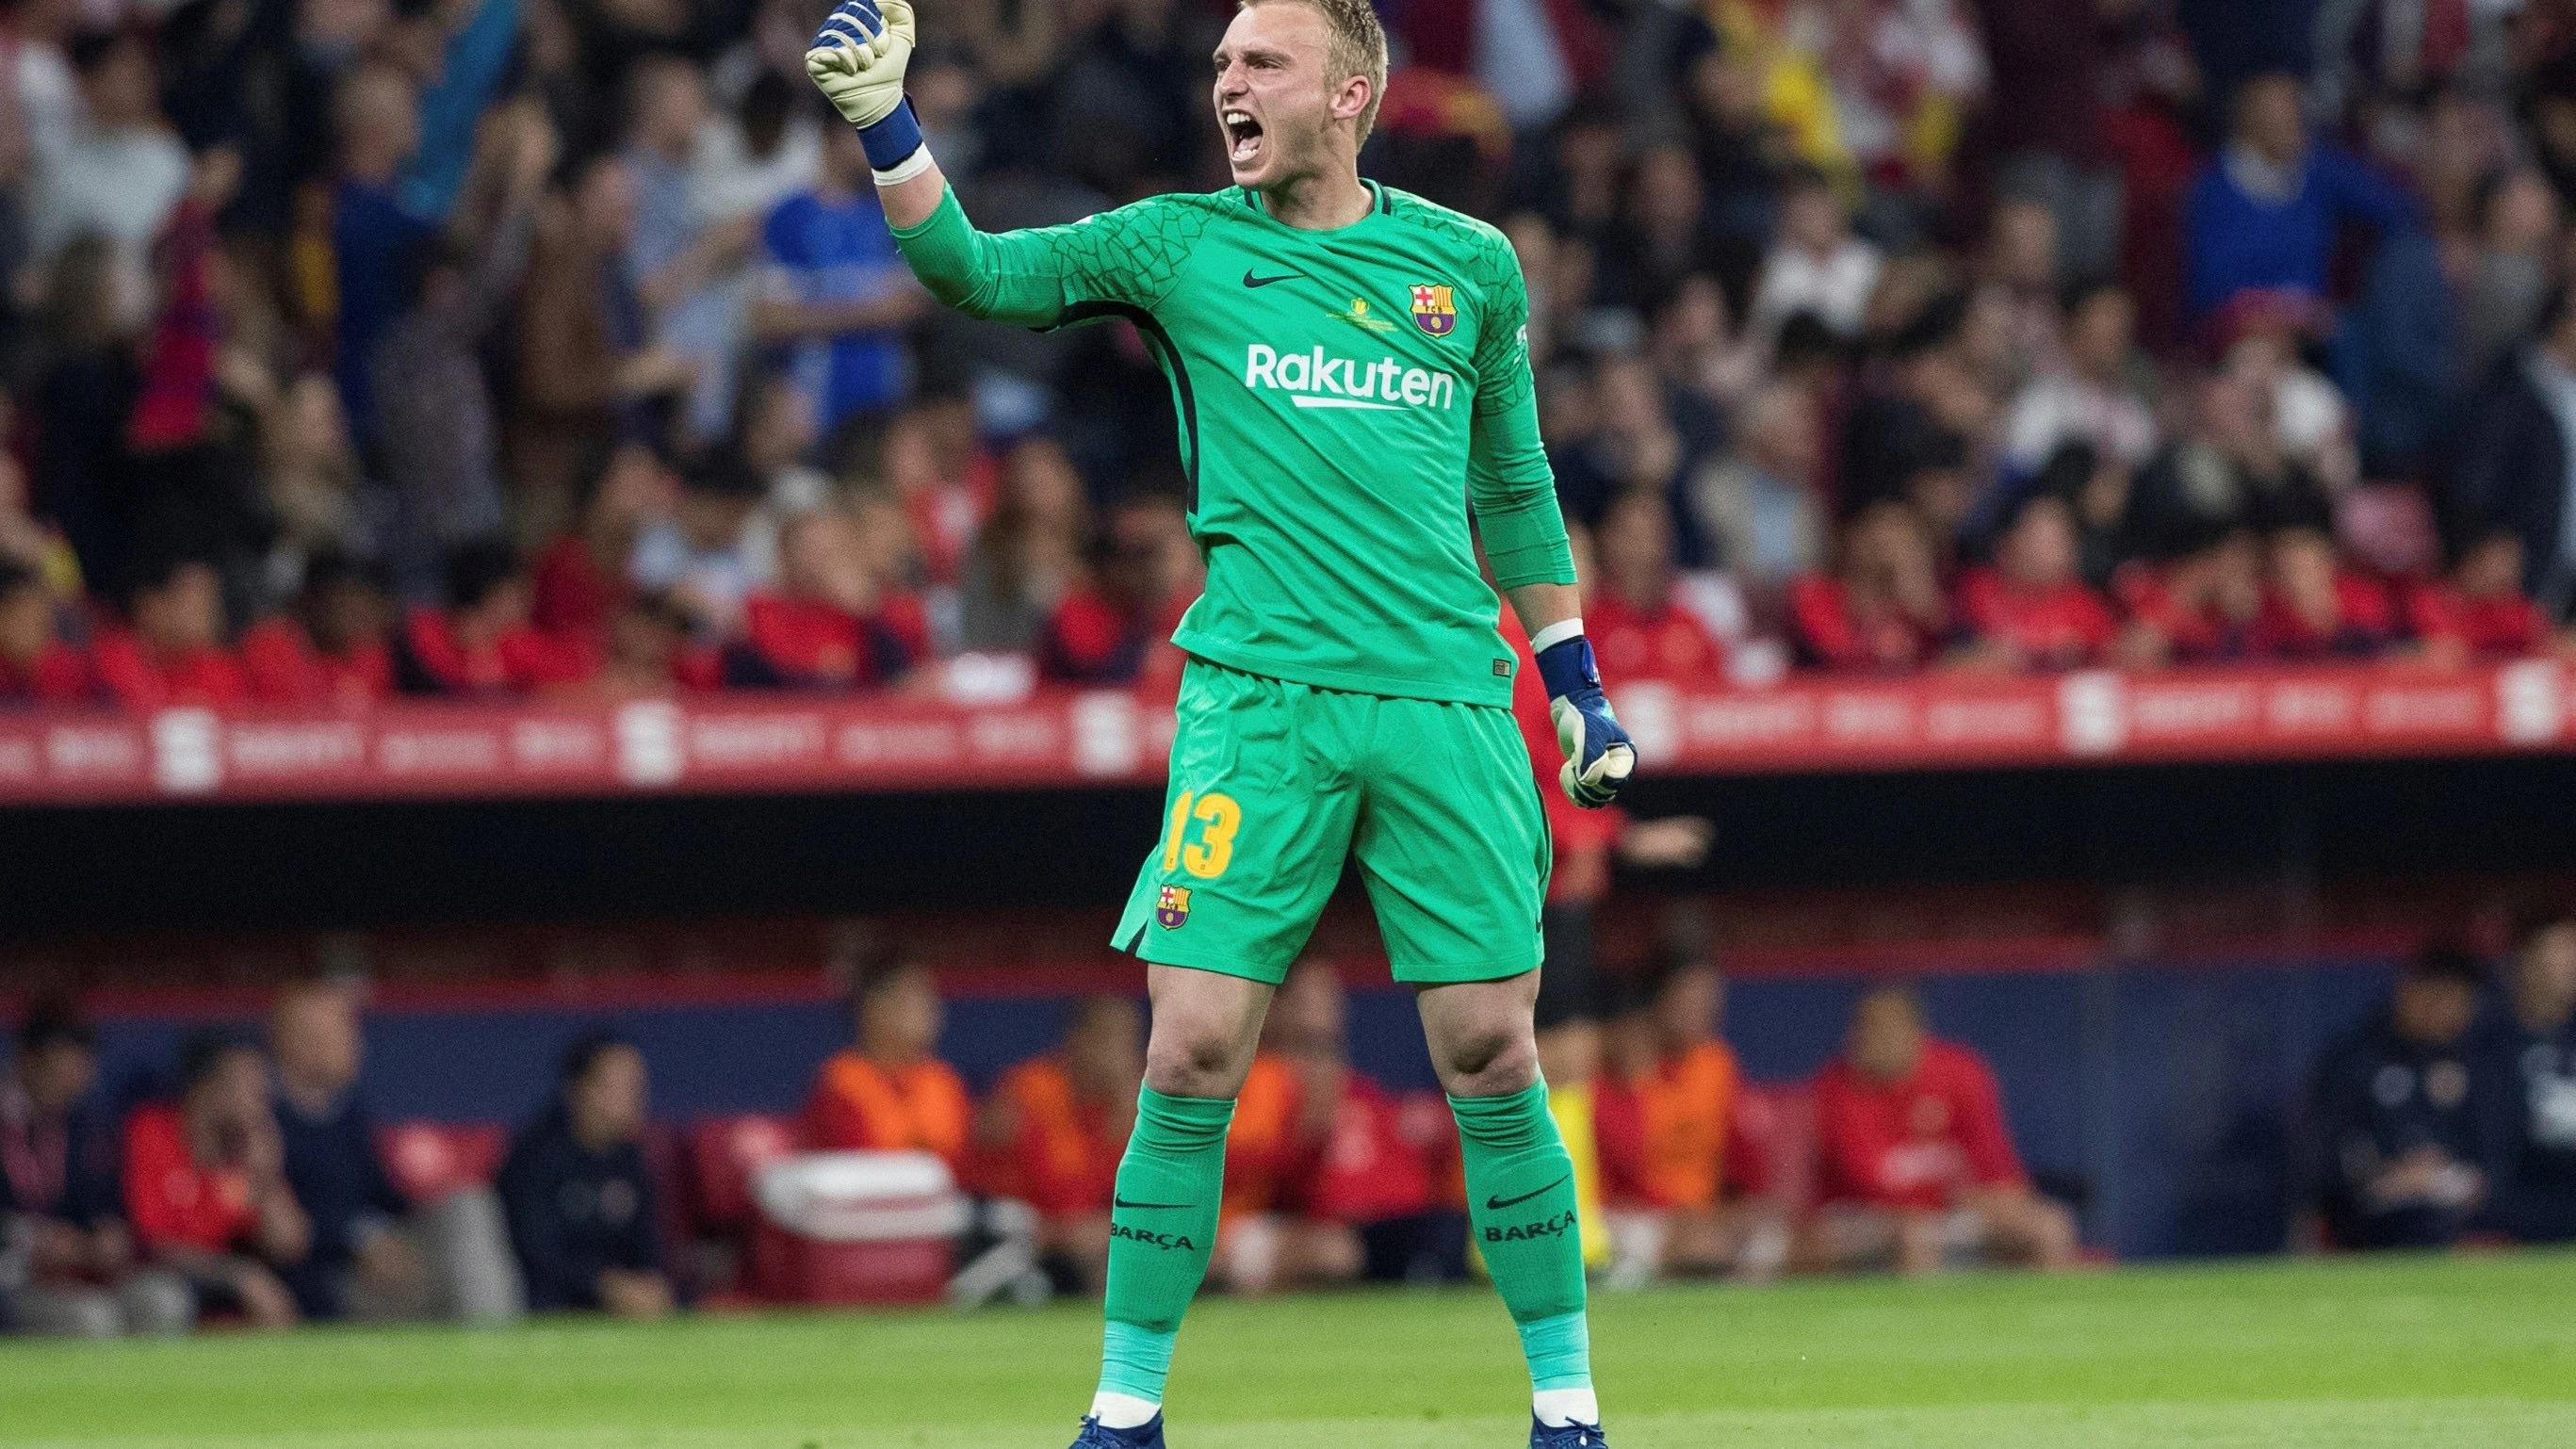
[1148,1435]
[1566,1436]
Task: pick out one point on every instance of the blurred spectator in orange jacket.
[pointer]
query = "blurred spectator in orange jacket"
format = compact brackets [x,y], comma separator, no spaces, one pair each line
[1915,1167]
[1316,1159]
[891,1092]
[1056,1125]
[1665,1116]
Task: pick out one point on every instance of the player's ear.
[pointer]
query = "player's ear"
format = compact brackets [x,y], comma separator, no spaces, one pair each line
[1351,99]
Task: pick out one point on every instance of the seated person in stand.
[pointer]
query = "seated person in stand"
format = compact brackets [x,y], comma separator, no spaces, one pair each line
[579,1198]
[1329,1188]
[2395,1142]
[1665,1113]
[2031,610]
[1634,616]
[1915,1169]
[1117,627]
[66,1258]
[890,1092]
[2480,611]
[2203,604]
[830,624]
[331,648]
[2314,607]
[2526,1085]
[1053,1130]
[205,1185]
[37,666]
[1883,613]
[172,651]
[482,644]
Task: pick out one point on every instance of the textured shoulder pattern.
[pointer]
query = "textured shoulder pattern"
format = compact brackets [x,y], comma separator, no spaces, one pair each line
[1484,251]
[1136,250]
[1488,265]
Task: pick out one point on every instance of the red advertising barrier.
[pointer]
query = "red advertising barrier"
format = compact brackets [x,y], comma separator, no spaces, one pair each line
[739,743]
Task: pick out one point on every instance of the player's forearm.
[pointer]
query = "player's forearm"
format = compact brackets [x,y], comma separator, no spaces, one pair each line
[1541,606]
[1513,493]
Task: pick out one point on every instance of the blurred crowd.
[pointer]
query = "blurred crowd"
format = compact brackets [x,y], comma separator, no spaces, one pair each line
[253,1184]
[501,347]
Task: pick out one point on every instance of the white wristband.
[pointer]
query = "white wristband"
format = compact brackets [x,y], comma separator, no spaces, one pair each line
[905,169]
[1556,633]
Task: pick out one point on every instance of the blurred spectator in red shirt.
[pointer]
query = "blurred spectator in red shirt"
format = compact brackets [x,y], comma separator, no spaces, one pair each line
[482,643]
[2031,610]
[1884,611]
[1053,1130]
[1117,628]
[890,1092]
[581,577]
[2200,607]
[205,1183]
[1633,613]
[173,654]
[333,648]
[650,653]
[1914,1163]
[1328,1183]
[1665,1117]
[36,666]
[945,479]
[2480,611]
[2314,607]
[1030,554]
[831,623]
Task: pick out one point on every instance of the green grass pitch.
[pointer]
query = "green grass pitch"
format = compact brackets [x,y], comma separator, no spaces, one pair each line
[2478,1353]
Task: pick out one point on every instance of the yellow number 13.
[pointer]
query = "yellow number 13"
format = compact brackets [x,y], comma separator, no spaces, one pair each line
[1213,851]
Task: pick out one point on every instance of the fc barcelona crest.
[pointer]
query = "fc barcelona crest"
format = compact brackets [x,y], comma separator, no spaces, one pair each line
[1172,907]
[1433,312]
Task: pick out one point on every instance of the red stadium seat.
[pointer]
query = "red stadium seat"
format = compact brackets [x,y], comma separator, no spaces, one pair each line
[722,1153]
[429,1160]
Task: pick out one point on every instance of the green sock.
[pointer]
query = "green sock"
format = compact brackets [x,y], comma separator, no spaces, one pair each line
[1161,1234]
[1520,1200]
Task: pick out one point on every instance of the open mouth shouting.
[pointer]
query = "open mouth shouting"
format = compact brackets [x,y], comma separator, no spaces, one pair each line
[1242,137]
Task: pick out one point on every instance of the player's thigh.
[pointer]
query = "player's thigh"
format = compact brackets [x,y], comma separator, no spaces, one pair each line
[1256,821]
[1452,843]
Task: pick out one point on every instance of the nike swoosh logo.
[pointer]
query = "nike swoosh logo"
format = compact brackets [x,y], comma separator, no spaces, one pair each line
[1497,1204]
[1250,280]
[1117,1201]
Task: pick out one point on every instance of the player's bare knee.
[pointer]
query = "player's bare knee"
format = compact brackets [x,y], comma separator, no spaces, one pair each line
[1186,1063]
[1488,1062]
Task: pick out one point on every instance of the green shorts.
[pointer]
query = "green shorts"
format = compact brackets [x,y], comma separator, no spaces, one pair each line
[1274,783]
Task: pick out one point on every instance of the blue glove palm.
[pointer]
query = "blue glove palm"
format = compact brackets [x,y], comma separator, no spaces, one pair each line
[1599,756]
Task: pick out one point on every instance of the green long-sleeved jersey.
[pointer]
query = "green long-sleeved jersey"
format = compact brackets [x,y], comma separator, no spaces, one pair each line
[1346,398]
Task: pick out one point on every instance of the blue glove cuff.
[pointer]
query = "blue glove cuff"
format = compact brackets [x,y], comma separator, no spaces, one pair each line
[1566,666]
[891,140]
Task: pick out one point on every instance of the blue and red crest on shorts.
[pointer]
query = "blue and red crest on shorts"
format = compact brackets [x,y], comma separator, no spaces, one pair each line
[1433,311]
[1172,907]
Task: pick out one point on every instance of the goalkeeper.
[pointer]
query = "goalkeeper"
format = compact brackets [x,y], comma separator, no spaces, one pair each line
[1350,368]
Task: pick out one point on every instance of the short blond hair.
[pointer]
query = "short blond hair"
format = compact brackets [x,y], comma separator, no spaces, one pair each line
[1357,47]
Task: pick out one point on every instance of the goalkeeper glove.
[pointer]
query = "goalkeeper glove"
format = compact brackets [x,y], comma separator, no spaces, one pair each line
[857,62]
[1598,753]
